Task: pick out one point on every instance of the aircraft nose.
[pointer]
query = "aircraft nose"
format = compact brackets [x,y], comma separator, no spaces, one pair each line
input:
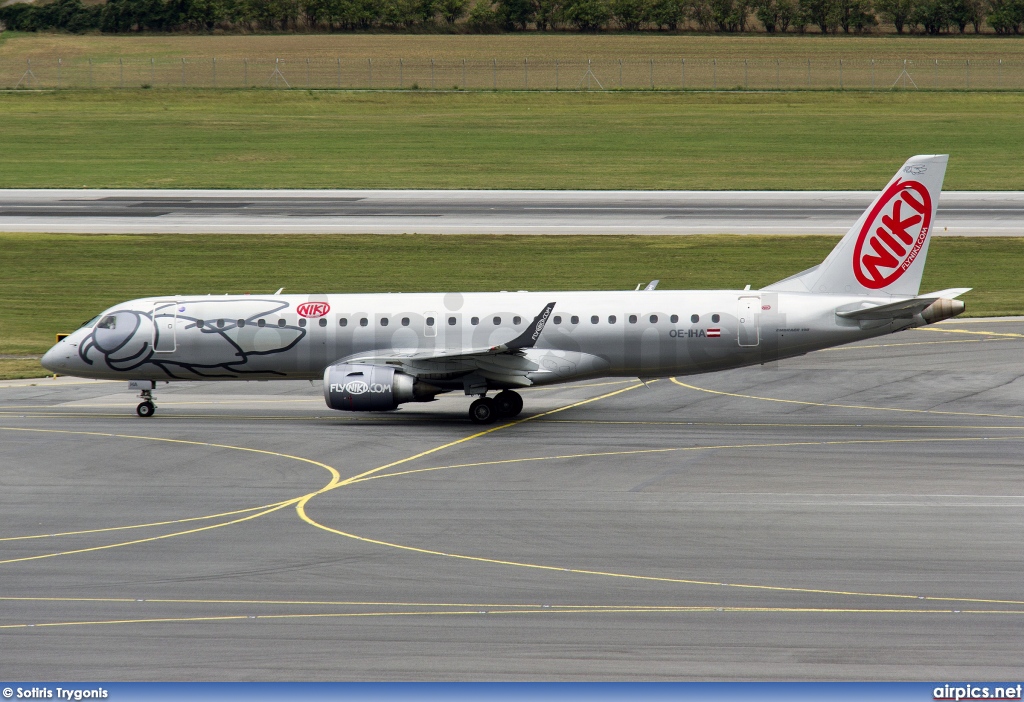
[56,358]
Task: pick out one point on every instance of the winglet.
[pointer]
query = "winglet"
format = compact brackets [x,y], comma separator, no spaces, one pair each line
[652,285]
[528,338]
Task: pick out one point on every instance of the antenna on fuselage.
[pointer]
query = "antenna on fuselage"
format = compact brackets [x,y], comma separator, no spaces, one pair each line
[279,291]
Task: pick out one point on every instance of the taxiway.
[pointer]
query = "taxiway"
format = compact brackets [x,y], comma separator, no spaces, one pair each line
[852,514]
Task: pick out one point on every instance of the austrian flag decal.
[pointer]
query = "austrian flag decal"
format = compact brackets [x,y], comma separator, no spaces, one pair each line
[893,234]
[714,332]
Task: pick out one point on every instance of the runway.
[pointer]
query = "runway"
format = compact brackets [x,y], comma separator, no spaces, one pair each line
[481,212]
[853,514]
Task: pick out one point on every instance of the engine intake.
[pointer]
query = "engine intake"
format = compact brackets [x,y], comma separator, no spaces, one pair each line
[358,387]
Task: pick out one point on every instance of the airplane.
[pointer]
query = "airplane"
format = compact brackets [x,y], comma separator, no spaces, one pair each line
[375,352]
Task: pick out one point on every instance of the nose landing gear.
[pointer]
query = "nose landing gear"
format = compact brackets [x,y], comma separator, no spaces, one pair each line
[505,405]
[146,408]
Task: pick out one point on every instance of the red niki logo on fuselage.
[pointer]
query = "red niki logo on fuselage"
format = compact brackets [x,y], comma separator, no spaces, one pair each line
[313,309]
[893,234]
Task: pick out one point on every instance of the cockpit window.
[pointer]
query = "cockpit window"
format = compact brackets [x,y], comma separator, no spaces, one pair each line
[90,322]
[108,322]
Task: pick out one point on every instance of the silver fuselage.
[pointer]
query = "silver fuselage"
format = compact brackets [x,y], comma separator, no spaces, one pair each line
[590,334]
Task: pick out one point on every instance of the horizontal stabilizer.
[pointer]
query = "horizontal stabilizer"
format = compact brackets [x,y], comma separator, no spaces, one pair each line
[906,309]
[896,310]
[950,293]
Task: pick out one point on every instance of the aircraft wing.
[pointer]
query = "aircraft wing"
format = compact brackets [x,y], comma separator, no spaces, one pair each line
[506,361]
[904,309]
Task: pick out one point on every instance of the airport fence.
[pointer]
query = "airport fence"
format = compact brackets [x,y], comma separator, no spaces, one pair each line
[523,74]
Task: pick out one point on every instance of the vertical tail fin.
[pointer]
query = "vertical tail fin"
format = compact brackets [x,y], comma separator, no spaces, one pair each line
[884,252]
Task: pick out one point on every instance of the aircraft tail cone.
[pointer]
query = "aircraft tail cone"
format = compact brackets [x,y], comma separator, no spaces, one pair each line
[941,309]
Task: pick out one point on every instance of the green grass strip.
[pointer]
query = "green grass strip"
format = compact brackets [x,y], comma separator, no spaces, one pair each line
[317,139]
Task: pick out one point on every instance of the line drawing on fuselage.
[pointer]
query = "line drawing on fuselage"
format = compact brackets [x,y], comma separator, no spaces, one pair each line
[377,351]
[128,340]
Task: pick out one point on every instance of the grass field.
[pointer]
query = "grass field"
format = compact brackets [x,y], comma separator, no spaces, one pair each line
[20,368]
[511,46]
[299,139]
[44,293]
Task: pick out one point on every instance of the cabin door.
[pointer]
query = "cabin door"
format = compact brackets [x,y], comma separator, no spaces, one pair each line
[747,318]
[165,318]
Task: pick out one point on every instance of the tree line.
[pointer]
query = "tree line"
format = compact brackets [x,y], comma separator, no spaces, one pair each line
[771,16]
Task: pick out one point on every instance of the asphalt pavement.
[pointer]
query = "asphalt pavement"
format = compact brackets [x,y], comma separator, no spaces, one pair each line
[852,514]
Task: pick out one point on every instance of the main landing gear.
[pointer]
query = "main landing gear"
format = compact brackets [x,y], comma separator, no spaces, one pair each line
[505,405]
[146,408]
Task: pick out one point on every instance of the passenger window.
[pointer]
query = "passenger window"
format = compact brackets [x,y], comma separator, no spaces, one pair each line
[405,321]
[199,324]
[574,320]
[611,319]
[451,321]
[343,322]
[281,323]
[363,322]
[430,321]
[383,321]
[497,321]
[220,323]
[517,320]
[261,323]
[108,322]
[632,319]
[595,319]
[654,319]
[241,323]
[694,318]
[557,320]
[323,322]
[474,321]
[715,318]
[302,321]
[674,318]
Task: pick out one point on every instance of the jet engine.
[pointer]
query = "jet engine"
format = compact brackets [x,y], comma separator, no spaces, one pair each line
[360,387]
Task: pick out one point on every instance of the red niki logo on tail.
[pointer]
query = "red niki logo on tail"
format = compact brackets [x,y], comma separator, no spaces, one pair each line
[893,234]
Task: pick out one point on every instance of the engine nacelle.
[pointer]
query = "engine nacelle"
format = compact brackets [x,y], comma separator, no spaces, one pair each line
[358,387]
